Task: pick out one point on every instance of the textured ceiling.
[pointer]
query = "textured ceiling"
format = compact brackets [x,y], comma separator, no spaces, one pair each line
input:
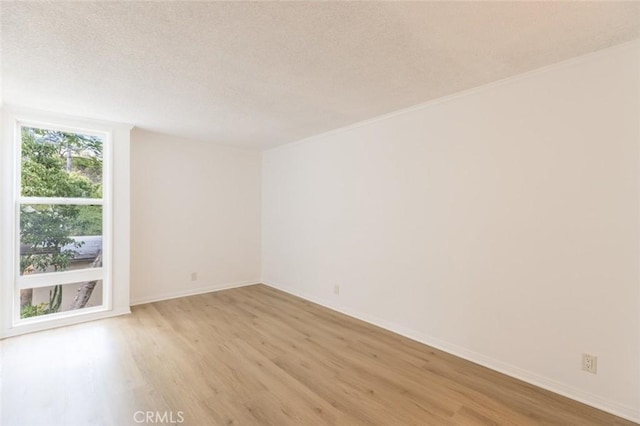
[263,74]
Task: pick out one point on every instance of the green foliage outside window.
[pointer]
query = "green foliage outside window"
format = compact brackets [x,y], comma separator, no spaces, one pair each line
[56,164]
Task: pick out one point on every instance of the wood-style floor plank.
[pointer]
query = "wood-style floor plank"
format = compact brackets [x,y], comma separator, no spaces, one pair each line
[258,356]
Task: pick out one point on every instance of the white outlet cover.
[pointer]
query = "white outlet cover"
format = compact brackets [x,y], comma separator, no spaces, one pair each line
[590,363]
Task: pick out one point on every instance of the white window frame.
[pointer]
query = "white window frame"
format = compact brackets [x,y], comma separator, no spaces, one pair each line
[115,201]
[66,277]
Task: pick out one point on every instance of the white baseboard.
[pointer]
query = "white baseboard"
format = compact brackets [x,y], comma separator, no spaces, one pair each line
[190,292]
[629,413]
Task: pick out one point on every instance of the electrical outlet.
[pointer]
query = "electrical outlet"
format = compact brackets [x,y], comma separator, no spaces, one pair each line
[336,289]
[194,276]
[590,363]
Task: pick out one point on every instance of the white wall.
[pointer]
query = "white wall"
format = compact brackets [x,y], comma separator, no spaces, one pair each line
[195,207]
[501,224]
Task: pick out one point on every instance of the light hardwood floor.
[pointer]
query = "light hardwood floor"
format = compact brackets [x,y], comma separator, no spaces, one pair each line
[253,356]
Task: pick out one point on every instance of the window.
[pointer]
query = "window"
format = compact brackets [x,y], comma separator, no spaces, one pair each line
[60,220]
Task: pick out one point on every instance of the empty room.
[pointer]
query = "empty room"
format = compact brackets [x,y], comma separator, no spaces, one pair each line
[319,213]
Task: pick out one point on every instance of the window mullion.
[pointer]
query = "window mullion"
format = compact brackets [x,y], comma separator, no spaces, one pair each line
[61,200]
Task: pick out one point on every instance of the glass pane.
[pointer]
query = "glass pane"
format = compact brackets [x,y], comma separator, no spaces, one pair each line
[61,164]
[36,302]
[55,237]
